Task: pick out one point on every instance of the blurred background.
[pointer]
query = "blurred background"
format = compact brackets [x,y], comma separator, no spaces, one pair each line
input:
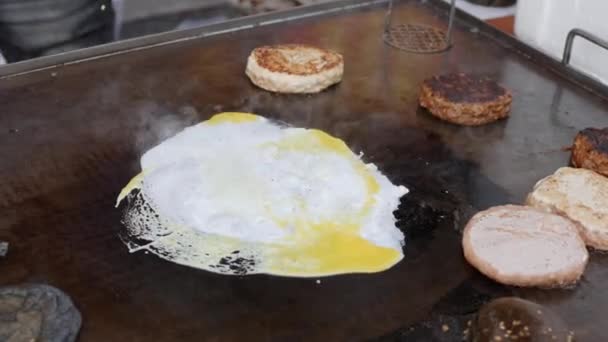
[34,28]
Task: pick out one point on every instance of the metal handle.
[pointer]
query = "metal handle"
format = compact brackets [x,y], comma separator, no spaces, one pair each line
[451,22]
[388,15]
[584,34]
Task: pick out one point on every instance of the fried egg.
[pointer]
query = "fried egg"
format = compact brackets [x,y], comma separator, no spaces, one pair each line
[240,194]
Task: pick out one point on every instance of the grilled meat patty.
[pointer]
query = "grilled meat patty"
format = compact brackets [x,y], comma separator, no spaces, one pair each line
[294,68]
[465,99]
[590,150]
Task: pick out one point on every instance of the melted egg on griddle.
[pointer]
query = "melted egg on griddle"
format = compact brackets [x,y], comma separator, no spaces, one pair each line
[239,194]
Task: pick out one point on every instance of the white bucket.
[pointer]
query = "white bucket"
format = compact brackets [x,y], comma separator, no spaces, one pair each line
[545,24]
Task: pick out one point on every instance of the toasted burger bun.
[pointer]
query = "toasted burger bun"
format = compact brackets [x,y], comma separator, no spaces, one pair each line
[523,246]
[298,69]
[579,194]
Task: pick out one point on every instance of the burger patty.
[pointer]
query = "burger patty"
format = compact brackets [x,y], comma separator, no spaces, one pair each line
[523,246]
[590,150]
[579,194]
[465,99]
[293,68]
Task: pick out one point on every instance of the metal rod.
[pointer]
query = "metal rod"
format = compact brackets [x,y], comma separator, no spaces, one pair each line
[584,34]
[451,24]
[388,16]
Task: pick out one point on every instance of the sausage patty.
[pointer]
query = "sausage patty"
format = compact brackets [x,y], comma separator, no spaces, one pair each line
[465,99]
[590,150]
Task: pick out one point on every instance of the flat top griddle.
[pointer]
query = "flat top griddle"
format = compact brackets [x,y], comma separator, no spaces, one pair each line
[72,136]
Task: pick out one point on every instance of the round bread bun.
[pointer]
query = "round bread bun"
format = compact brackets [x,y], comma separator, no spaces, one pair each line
[523,246]
[514,319]
[579,194]
[590,150]
[465,99]
[297,69]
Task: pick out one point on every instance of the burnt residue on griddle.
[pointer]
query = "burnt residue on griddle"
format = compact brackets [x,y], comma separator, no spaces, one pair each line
[465,88]
[441,183]
[418,218]
[597,137]
[237,264]
[436,328]
[432,174]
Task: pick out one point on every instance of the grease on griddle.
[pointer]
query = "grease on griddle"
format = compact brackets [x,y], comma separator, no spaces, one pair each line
[467,298]
[452,316]
[438,328]
[3,248]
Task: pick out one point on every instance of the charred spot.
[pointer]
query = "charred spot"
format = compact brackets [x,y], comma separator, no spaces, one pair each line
[466,88]
[598,138]
[236,265]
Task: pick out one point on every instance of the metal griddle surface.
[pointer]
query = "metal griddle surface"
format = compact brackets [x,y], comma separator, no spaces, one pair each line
[71,138]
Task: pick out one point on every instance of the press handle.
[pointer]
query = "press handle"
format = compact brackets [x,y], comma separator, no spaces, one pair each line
[583,34]
[418,38]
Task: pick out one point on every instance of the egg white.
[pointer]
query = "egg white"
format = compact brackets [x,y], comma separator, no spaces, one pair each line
[238,194]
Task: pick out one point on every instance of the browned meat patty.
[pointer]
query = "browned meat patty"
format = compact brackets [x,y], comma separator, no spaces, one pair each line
[465,99]
[590,150]
[294,68]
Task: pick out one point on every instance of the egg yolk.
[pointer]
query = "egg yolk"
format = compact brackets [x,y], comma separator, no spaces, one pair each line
[231,117]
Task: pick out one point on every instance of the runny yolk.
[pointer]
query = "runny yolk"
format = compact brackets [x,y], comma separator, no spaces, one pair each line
[331,247]
[327,248]
[231,117]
